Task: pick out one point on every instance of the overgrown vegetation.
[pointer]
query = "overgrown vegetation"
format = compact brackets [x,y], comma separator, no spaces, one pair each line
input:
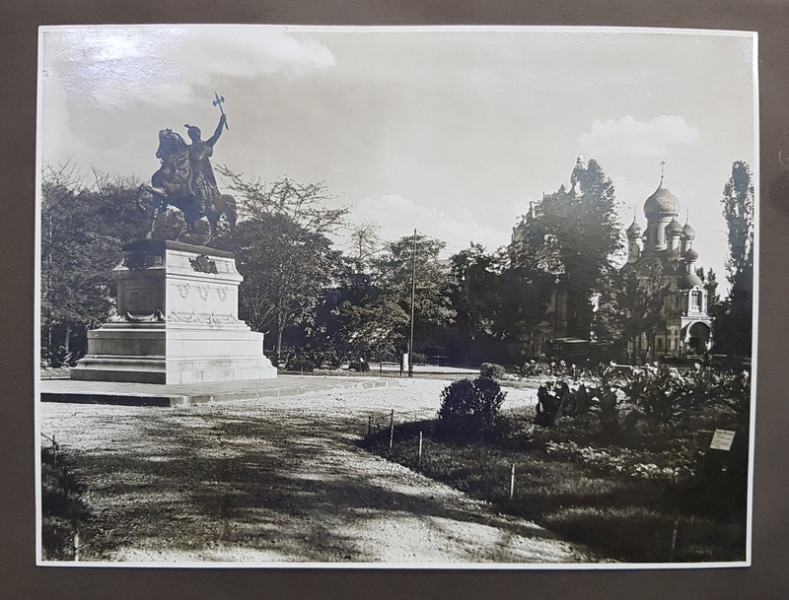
[643,487]
[63,511]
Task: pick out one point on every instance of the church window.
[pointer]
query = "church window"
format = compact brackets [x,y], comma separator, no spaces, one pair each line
[696,300]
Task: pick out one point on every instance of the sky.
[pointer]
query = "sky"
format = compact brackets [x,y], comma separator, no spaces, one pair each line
[450,131]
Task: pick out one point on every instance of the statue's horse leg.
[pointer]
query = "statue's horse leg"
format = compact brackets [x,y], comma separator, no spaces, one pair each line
[149,199]
[213,222]
[221,205]
[230,210]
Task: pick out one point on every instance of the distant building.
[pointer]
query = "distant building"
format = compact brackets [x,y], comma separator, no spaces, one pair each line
[665,250]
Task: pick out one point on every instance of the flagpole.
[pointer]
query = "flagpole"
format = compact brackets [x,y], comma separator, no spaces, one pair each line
[413,295]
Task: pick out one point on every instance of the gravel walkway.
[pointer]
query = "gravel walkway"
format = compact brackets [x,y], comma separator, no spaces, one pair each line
[279,481]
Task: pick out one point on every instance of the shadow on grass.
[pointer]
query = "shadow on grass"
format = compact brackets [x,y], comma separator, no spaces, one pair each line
[276,487]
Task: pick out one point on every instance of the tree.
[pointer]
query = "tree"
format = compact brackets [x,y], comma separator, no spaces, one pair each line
[476,279]
[83,231]
[575,234]
[735,322]
[284,252]
[414,260]
[371,330]
[524,296]
[365,243]
[738,209]
[476,274]
[640,302]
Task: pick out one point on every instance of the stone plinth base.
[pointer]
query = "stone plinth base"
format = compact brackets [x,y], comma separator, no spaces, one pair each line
[177,321]
[154,353]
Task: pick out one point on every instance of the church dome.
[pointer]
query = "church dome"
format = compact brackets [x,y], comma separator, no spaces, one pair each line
[689,232]
[674,227]
[690,280]
[691,255]
[661,202]
[634,230]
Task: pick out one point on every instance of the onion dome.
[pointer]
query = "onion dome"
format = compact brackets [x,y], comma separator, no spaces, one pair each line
[674,228]
[634,230]
[691,256]
[690,280]
[662,202]
[689,232]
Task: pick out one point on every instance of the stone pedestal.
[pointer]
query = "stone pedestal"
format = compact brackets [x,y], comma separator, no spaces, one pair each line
[177,321]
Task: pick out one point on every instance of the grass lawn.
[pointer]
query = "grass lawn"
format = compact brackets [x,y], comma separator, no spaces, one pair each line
[660,496]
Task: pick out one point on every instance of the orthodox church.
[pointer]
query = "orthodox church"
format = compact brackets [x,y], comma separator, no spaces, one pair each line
[663,260]
[662,256]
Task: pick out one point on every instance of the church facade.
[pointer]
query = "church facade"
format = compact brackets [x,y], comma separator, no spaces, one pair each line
[663,260]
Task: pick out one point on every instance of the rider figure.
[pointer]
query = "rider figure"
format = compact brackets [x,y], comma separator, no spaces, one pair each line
[204,184]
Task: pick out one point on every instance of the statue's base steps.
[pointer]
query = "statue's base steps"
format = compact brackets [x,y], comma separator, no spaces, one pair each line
[149,394]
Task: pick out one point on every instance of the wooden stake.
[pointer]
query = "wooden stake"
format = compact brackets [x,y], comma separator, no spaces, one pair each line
[512,482]
[391,430]
[419,459]
[673,541]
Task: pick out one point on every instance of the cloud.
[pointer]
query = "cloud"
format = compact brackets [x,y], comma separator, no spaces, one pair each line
[113,67]
[629,137]
[399,216]
[252,53]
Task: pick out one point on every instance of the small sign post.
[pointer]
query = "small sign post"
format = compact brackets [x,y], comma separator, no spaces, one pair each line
[722,440]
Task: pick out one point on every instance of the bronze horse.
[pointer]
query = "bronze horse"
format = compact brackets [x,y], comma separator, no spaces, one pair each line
[186,181]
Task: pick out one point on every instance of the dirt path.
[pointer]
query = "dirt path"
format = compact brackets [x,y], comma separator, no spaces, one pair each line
[279,481]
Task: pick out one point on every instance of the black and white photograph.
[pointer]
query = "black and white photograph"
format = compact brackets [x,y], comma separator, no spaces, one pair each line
[420,297]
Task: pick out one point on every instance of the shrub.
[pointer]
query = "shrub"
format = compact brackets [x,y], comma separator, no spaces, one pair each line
[418,358]
[300,358]
[359,365]
[63,510]
[301,362]
[470,409]
[491,371]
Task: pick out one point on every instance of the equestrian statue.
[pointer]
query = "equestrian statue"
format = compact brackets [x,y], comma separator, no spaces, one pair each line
[186,180]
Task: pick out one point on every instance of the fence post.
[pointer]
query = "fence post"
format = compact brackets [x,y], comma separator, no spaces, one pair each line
[419,458]
[673,540]
[512,482]
[391,430]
